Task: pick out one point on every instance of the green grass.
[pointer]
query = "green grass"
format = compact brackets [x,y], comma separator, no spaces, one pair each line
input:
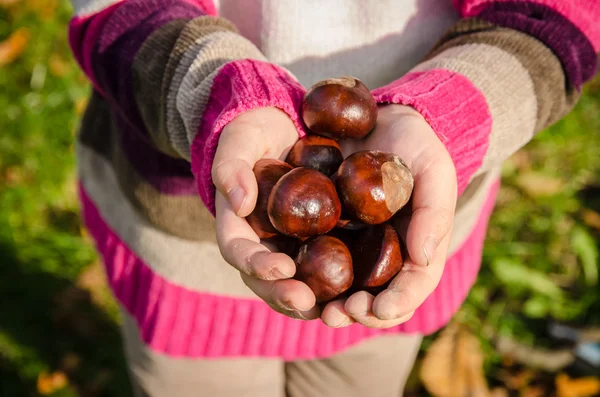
[540,261]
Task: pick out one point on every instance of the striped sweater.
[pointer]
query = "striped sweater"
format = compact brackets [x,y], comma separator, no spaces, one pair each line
[168,75]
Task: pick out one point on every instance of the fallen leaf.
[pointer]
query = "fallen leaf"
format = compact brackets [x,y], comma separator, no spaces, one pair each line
[536,184]
[591,218]
[58,66]
[8,3]
[13,46]
[579,387]
[80,105]
[453,365]
[499,392]
[49,383]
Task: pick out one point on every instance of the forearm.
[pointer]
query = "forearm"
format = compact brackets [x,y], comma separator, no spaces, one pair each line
[177,74]
[495,80]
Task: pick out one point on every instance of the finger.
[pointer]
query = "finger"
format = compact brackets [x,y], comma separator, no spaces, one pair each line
[409,289]
[359,307]
[255,134]
[307,316]
[232,174]
[334,315]
[433,203]
[241,248]
[289,295]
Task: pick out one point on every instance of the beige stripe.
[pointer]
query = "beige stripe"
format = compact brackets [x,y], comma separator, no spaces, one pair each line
[508,89]
[195,265]
[159,375]
[213,52]
[469,207]
[86,7]
[192,82]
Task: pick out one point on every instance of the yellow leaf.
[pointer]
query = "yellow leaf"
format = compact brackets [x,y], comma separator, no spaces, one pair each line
[453,365]
[536,184]
[8,3]
[58,66]
[81,105]
[591,218]
[580,387]
[49,383]
[13,46]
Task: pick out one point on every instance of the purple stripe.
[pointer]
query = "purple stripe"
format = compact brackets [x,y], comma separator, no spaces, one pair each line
[167,174]
[122,36]
[570,45]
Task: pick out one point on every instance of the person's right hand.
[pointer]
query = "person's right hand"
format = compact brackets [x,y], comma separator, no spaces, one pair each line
[256,134]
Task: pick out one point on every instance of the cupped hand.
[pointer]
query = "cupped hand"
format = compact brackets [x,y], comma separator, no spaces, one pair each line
[256,134]
[425,224]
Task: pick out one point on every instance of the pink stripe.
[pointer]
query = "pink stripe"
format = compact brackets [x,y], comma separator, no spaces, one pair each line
[84,33]
[456,110]
[585,14]
[180,322]
[238,87]
[207,6]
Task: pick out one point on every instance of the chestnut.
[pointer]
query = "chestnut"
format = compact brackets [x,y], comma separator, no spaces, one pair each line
[313,151]
[373,185]
[284,244]
[304,203]
[267,172]
[377,256]
[324,264]
[339,108]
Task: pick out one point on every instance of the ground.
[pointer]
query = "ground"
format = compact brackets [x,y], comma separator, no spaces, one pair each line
[59,330]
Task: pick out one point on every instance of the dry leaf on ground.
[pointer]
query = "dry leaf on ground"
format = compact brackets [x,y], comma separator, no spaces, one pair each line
[49,383]
[580,387]
[453,365]
[536,184]
[13,46]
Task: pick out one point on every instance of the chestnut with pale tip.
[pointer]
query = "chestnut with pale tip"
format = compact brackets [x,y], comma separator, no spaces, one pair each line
[317,152]
[304,203]
[324,263]
[373,185]
[340,108]
[378,256]
[267,173]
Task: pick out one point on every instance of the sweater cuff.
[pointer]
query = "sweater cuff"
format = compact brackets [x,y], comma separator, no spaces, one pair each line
[238,87]
[454,108]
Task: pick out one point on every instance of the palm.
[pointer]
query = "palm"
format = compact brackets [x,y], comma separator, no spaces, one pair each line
[403,131]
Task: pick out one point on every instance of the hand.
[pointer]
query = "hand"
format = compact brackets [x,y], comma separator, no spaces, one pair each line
[425,226]
[257,134]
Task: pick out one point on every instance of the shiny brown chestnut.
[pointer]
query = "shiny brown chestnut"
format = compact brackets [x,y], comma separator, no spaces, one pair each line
[267,173]
[373,185]
[317,152]
[324,263]
[304,203]
[377,256]
[339,108]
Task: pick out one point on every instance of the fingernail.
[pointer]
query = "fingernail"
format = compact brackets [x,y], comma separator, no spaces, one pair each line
[278,274]
[286,305]
[429,247]
[344,320]
[237,197]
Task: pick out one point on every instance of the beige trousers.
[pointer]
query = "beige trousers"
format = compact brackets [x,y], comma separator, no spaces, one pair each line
[377,367]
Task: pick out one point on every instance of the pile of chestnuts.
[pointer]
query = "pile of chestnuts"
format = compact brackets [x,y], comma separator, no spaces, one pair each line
[329,213]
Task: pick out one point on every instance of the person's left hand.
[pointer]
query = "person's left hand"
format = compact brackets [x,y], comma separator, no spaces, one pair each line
[425,226]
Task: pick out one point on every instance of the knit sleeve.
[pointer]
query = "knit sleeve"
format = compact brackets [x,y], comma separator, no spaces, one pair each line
[177,74]
[505,71]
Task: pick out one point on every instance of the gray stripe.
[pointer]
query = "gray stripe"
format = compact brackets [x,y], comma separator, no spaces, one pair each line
[87,7]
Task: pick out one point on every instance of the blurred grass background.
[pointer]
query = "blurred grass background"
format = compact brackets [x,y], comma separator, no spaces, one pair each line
[59,325]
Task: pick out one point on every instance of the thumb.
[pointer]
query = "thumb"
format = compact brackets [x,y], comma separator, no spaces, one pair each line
[258,133]
[232,174]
